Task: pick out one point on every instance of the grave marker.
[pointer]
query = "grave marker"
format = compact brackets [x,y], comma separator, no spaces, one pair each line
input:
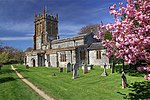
[68,69]
[104,73]
[75,71]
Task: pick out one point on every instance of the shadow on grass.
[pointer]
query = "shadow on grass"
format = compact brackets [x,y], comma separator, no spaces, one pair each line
[130,70]
[7,71]
[4,71]
[135,73]
[138,91]
[8,79]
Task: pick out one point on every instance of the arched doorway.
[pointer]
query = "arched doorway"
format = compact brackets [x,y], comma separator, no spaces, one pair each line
[33,62]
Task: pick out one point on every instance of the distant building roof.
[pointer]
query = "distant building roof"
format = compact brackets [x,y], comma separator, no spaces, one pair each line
[96,46]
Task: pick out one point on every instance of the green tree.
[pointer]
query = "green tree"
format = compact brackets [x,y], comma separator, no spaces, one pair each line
[89,28]
[4,57]
[107,35]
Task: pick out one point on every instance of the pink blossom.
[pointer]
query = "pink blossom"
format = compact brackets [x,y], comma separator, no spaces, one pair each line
[129,1]
[118,45]
[131,37]
[113,7]
[147,77]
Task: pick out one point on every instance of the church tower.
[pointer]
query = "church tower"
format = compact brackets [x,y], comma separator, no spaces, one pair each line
[45,30]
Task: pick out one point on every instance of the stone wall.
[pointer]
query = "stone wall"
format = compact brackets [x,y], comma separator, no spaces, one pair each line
[79,42]
[67,43]
[70,57]
[30,60]
[53,60]
[63,45]
[94,61]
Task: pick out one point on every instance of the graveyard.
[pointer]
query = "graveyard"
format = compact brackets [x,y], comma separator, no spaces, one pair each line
[62,85]
[81,50]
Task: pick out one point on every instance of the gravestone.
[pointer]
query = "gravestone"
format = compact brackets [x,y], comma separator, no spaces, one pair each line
[124,80]
[68,69]
[72,67]
[104,73]
[85,69]
[89,67]
[75,71]
[60,69]
[27,66]
[53,74]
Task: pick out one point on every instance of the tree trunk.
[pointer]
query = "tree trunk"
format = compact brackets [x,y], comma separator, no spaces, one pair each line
[124,80]
[112,68]
[122,66]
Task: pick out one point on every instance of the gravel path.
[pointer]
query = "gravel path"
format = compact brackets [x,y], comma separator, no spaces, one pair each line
[40,92]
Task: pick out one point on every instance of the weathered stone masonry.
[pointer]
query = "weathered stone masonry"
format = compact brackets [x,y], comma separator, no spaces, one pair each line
[49,50]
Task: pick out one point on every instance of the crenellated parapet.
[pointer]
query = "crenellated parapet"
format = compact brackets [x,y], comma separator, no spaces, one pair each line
[45,29]
[44,15]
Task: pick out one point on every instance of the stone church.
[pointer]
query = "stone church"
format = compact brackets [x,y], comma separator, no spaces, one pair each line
[50,51]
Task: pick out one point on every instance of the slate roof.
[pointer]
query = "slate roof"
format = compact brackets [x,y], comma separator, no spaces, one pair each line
[69,39]
[96,46]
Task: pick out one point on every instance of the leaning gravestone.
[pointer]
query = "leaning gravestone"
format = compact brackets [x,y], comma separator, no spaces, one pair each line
[68,67]
[104,73]
[75,71]
[85,69]
[124,80]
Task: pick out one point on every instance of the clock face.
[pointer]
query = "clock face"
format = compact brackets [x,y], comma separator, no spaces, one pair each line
[38,43]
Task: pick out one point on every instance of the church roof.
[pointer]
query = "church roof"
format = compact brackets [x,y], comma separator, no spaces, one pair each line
[70,38]
[96,46]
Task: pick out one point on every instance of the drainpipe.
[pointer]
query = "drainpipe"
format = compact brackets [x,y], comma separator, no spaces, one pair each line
[71,55]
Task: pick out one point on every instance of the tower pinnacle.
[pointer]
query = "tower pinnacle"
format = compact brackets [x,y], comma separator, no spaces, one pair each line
[44,12]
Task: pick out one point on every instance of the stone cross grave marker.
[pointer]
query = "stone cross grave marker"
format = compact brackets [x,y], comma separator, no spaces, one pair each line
[75,71]
[104,73]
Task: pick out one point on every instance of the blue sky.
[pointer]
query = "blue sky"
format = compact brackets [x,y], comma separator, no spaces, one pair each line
[17,16]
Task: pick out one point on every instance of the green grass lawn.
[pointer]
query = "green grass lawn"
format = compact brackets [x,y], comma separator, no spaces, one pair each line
[12,88]
[91,86]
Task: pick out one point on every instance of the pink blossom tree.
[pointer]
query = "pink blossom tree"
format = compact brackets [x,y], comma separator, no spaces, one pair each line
[130,32]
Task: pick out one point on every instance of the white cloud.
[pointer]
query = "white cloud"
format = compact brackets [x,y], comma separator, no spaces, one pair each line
[15,38]
[18,27]
[69,29]
[29,34]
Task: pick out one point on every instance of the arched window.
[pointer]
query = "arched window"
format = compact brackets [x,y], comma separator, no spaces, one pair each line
[98,54]
[63,57]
